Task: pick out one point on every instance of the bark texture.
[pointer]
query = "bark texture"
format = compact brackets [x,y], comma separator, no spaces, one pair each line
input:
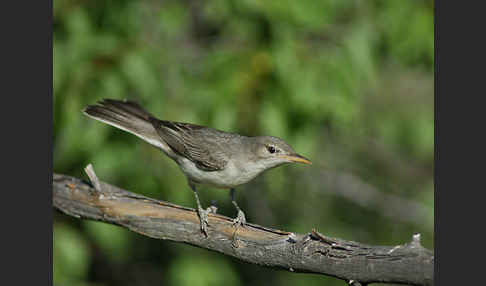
[356,263]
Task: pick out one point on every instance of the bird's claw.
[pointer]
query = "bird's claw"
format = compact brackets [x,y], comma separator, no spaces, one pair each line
[203,220]
[240,219]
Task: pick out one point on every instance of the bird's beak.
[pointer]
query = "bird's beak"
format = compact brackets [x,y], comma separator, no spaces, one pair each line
[297,158]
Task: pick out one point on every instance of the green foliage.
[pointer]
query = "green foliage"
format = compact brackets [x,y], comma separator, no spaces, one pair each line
[71,255]
[349,84]
[199,271]
[112,240]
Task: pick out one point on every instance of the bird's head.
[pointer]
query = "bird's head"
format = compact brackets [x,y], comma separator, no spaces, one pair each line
[272,152]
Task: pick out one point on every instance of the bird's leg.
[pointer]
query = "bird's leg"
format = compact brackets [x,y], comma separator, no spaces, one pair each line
[240,219]
[203,214]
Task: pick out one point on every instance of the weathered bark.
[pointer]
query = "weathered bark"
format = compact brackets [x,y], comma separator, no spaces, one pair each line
[356,263]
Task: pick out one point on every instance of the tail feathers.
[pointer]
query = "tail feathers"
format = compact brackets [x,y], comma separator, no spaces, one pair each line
[127,116]
[128,106]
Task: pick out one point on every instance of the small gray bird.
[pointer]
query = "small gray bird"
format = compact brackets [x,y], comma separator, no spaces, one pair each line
[205,155]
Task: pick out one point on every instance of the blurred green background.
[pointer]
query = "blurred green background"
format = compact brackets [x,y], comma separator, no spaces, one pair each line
[347,83]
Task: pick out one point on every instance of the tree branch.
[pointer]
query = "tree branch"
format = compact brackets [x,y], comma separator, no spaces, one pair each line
[356,263]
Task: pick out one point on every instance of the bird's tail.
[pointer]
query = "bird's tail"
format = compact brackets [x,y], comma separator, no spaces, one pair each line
[125,115]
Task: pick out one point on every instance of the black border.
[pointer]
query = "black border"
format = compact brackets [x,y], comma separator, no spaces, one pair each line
[27,70]
[459,143]
[50,58]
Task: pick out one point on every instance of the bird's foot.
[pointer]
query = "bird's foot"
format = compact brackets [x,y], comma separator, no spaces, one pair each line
[238,222]
[203,220]
[240,219]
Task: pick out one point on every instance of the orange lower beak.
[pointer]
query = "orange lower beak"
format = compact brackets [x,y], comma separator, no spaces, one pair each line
[297,158]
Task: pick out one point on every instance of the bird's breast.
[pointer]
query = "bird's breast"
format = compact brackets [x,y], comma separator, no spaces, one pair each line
[229,177]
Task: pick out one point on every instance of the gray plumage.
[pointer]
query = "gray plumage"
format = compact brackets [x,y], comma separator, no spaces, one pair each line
[206,155]
[194,142]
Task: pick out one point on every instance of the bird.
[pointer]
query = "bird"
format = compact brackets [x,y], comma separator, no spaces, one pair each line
[205,155]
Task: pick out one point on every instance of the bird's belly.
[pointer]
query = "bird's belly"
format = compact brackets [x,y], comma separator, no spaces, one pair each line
[227,178]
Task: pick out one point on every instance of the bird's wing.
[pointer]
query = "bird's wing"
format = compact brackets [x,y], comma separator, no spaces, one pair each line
[188,140]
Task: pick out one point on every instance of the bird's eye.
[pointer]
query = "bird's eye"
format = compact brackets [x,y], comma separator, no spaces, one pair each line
[271,149]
